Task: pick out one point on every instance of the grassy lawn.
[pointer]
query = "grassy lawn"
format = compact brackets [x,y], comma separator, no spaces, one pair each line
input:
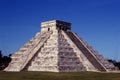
[58,76]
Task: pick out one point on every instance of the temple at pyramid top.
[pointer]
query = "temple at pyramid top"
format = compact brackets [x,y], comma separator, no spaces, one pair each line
[57,49]
[55,25]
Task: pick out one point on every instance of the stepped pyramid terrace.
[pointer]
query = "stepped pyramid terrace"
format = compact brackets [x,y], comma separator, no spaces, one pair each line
[57,49]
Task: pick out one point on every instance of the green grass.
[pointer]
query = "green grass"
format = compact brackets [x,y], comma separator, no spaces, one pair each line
[58,76]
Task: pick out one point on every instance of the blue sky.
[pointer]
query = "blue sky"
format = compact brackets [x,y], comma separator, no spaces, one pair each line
[96,21]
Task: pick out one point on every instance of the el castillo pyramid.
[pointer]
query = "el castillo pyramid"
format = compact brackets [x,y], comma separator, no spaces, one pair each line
[57,49]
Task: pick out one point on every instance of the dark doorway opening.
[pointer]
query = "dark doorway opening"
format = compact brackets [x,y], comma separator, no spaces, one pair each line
[48,29]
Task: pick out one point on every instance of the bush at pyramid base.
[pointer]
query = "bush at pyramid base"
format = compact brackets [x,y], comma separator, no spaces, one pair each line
[57,49]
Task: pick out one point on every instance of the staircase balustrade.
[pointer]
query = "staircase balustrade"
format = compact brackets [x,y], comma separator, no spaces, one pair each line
[97,55]
[39,43]
[86,52]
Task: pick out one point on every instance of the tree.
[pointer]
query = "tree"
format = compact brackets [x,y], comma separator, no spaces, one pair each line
[4,61]
[117,64]
[0,54]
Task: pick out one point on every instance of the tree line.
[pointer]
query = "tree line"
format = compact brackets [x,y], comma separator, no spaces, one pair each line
[116,63]
[4,61]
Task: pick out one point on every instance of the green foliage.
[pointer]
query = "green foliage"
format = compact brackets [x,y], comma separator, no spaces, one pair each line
[117,64]
[4,61]
[58,76]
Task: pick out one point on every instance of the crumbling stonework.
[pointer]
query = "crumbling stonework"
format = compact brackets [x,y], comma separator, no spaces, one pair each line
[57,49]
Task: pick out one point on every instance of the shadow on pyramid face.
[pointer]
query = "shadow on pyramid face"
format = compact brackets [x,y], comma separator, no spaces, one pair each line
[57,49]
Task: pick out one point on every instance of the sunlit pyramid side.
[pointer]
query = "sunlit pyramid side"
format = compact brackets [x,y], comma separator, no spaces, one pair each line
[57,49]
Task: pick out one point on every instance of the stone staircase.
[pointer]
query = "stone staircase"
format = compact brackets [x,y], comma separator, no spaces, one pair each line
[22,57]
[82,57]
[109,66]
[86,51]
[68,59]
[56,55]
[57,49]
[94,57]
[46,60]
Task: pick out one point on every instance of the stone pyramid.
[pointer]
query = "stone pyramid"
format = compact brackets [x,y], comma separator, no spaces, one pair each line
[57,49]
